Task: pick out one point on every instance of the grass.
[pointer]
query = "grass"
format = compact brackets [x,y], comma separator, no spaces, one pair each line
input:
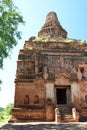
[5,120]
[4,117]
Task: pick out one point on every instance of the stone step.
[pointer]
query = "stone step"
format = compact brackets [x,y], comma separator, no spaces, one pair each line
[66,113]
[67,118]
[64,109]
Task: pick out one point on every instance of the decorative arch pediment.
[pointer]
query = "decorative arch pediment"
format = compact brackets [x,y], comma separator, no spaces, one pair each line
[62,78]
[62,73]
[61,67]
[67,65]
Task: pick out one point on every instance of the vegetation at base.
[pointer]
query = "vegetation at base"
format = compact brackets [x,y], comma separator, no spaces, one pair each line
[5,113]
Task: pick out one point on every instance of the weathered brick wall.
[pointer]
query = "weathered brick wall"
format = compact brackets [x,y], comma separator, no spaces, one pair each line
[83,113]
[50,113]
[29,114]
[30,89]
[83,93]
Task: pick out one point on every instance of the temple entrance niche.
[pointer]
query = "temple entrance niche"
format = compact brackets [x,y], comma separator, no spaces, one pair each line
[63,95]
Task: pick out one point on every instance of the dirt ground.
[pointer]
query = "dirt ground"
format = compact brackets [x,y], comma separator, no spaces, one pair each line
[45,126]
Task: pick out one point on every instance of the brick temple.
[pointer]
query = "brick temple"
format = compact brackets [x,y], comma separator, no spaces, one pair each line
[51,77]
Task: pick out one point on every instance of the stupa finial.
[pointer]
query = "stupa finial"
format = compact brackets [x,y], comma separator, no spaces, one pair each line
[52,27]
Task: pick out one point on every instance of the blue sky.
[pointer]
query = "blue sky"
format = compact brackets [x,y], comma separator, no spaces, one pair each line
[72,15]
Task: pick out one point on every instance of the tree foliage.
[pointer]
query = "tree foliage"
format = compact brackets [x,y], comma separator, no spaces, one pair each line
[8,108]
[5,113]
[10,18]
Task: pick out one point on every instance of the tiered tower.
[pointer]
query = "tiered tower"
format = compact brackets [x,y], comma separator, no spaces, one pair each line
[51,77]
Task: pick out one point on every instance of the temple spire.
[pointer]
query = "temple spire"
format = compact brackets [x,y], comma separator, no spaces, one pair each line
[52,27]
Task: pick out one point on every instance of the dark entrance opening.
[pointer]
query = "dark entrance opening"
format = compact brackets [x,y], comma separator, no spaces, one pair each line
[61,96]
